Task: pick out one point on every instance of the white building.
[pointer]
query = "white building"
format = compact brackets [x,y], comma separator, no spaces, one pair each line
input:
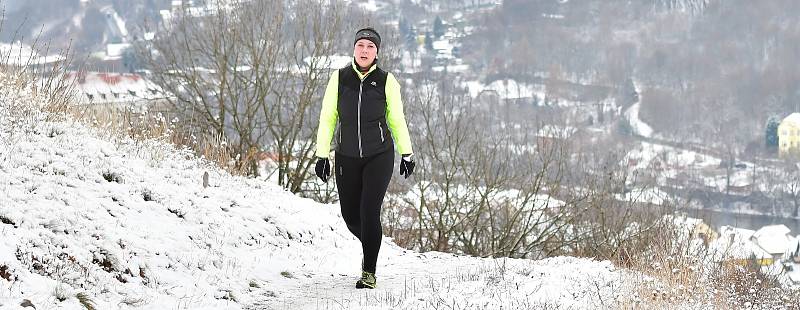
[773,239]
[115,88]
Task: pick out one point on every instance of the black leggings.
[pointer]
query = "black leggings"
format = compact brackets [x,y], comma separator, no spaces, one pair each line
[362,183]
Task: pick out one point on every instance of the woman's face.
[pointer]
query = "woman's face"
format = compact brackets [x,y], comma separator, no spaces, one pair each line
[365,52]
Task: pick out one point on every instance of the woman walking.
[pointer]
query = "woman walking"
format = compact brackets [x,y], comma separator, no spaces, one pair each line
[365,102]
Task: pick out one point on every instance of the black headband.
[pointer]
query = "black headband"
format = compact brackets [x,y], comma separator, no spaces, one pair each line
[369,34]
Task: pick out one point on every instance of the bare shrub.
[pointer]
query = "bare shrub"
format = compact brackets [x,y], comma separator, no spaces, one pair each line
[746,285]
[46,77]
[488,193]
[127,123]
[252,77]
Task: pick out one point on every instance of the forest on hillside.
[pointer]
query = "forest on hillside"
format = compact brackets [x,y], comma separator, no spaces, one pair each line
[708,71]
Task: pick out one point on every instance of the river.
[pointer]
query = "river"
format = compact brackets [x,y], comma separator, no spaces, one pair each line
[716,219]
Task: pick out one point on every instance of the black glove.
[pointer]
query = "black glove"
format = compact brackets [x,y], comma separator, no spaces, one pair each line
[406,165]
[323,169]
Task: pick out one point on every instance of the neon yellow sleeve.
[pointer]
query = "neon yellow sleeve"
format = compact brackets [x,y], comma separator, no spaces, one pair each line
[328,116]
[395,117]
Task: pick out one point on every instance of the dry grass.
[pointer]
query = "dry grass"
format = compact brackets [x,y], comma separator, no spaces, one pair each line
[48,83]
[141,124]
[719,286]
[85,301]
[676,266]
[682,273]
[55,96]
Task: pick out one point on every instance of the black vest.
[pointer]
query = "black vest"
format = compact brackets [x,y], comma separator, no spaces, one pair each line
[362,114]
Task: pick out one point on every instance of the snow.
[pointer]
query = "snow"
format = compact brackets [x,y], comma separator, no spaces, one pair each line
[123,30]
[553,16]
[508,89]
[557,132]
[333,62]
[646,155]
[115,50]
[773,238]
[792,118]
[650,195]
[452,68]
[370,5]
[436,280]
[473,87]
[639,127]
[632,115]
[320,64]
[793,262]
[116,87]
[736,243]
[687,6]
[129,223]
[794,275]
[166,15]
[443,46]
[205,8]
[688,223]
[77,19]
[20,54]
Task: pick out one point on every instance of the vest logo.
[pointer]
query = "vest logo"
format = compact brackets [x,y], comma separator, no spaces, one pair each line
[374,84]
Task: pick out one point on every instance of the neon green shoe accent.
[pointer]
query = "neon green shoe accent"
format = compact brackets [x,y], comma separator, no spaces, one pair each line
[367,280]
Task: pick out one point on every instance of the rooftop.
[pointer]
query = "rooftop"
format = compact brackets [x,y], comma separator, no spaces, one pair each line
[97,87]
[794,118]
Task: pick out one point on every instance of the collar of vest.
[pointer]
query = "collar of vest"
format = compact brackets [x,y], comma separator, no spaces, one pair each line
[361,76]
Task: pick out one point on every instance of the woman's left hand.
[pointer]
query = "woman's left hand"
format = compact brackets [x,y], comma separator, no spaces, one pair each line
[406,165]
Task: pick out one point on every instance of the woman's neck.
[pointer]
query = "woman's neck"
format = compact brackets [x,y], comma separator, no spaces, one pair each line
[361,69]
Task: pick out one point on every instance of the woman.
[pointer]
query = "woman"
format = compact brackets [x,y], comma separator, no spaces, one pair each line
[366,103]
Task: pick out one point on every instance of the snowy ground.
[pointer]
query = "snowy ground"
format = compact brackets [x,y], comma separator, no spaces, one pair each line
[639,127]
[129,225]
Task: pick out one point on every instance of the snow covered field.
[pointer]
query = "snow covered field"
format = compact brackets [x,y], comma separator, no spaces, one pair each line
[129,225]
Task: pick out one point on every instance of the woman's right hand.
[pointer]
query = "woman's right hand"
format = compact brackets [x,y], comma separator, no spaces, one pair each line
[323,169]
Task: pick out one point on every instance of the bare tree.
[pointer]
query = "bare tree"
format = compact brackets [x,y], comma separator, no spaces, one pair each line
[483,187]
[252,74]
[791,186]
[291,108]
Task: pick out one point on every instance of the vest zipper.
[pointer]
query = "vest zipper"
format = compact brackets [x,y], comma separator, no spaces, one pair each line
[381,130]
[360,89]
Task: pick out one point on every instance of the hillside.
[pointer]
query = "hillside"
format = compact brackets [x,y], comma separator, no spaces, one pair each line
[86,26]
[698,63]
[128,224]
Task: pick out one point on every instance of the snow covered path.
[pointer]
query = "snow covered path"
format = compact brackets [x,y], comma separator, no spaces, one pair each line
[409,280]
